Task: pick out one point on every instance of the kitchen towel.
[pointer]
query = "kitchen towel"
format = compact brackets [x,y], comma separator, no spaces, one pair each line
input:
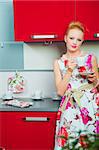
[16,83]
[18,103]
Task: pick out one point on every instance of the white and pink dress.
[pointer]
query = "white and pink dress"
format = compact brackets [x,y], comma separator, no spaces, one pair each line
[79,106]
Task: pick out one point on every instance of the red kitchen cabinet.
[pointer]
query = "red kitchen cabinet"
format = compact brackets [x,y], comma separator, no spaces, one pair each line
[41,17]
[87,13]
[50,18]
[27,130]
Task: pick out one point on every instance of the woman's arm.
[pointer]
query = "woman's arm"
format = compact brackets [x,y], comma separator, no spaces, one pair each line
[61,84]
[95,76]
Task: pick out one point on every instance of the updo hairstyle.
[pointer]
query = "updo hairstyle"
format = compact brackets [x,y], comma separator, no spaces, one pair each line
[75,25]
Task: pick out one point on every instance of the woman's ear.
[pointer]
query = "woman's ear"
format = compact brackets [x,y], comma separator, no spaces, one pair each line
[65,39]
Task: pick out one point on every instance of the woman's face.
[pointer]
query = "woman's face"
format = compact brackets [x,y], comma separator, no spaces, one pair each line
[74,39]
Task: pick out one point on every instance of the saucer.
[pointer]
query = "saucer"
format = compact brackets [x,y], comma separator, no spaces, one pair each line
[85,73]
[56,98]
[7,98]
[37,98]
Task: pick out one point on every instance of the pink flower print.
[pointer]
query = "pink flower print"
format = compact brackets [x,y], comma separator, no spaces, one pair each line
[88,62]
[62,132]
[69,86]
[62,101]
[18,88]
[94,90]
[10,78]
[65,62]
[97,126]
[84,111]
[82,69]
[97,99]
[68,105]
[84,115]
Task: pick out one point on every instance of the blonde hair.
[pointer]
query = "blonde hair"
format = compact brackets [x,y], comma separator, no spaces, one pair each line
[75,25]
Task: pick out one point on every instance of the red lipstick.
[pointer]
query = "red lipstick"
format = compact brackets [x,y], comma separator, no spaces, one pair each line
[74,46]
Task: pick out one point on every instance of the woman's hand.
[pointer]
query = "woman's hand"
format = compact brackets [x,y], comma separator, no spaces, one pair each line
[92,77]
[71,64]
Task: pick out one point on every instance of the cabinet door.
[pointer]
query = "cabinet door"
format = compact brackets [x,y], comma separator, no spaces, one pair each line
[69,14]
[44,17]
[29,130]
[86,12]
[2,130]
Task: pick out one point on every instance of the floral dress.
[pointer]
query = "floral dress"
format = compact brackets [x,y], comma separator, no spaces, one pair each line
[79,105]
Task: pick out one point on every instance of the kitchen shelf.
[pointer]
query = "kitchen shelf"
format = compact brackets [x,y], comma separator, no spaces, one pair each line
[25,70]
[11,42]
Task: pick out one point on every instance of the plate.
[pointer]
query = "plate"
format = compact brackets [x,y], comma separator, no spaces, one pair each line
[56,98]
[85,73]
[7,98]
[37,98]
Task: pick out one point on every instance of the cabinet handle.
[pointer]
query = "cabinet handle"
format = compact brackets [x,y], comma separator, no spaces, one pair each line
[51,36]
[96,35]
[36,119]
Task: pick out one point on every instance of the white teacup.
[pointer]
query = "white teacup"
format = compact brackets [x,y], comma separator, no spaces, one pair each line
[80,61]
[55,96]
[38,94]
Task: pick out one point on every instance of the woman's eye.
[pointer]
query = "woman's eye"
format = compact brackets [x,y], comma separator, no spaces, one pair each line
[79,39]
[71,38]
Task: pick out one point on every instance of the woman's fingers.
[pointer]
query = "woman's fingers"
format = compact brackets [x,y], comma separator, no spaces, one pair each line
[92,77]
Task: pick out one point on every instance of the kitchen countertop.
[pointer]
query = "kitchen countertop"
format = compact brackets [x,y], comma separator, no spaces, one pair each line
[45,105]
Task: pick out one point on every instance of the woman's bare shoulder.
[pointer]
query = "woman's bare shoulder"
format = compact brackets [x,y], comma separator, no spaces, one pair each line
[94,59]
[56,61]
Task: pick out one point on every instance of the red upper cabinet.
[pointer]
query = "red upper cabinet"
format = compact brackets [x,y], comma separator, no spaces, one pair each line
[49,19]
[42,17]
[87,13]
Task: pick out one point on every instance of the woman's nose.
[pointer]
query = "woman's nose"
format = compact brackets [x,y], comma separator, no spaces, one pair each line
[75,41]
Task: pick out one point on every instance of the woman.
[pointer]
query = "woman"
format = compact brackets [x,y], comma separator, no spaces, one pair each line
[76,75]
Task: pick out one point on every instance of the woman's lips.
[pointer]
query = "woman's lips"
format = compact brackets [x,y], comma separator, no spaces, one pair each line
[74,46]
